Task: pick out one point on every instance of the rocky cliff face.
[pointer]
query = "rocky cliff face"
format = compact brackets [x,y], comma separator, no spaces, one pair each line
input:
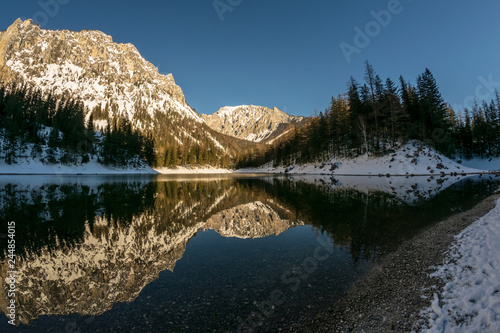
[113,80]
[86,63]
[250,122]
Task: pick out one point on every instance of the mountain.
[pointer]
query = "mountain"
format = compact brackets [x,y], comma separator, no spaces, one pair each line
[89,64]
[115,83]
[252,123]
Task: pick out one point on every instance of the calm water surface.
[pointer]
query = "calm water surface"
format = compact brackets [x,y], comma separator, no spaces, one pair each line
[203,254]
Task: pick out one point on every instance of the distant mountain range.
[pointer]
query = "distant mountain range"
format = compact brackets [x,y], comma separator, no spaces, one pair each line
[252,123]
[115,82]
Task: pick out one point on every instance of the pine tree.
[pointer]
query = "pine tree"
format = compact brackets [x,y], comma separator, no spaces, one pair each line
[398,118]
[371,81]
[433,116]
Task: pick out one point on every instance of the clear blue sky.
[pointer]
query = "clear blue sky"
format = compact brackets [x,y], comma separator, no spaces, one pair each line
[287,53]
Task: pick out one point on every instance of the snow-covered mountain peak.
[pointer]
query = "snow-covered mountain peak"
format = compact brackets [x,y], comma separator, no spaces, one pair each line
[88,64]
[236,111]
[249,122]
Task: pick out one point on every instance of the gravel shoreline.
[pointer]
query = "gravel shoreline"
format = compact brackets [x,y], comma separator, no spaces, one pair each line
[391,296]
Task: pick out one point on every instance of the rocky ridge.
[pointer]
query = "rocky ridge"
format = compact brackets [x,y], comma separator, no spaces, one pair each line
[112,80]
[250,122]
[88,62]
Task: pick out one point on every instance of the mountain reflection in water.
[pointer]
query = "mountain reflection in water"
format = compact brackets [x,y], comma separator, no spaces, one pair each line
[86,244]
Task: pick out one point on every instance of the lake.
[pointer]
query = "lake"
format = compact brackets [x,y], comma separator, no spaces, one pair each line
[204,253]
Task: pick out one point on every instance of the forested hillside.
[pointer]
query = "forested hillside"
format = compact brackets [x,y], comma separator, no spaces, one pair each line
[54,130]
[372,117]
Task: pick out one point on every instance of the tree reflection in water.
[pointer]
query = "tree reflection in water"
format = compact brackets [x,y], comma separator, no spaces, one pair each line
[84,245]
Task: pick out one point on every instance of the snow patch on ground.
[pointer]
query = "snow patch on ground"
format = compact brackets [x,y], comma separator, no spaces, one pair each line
[36,167]
[470,300]
[270,142]
[409,159]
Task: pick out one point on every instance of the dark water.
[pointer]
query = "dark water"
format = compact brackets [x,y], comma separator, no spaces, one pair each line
[198,254]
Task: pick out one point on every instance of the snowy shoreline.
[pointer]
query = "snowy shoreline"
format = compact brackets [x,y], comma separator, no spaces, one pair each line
[91,168]
[479,172]
[411,159]
[398,292]
[470,299]
[119,172]
[230,172]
